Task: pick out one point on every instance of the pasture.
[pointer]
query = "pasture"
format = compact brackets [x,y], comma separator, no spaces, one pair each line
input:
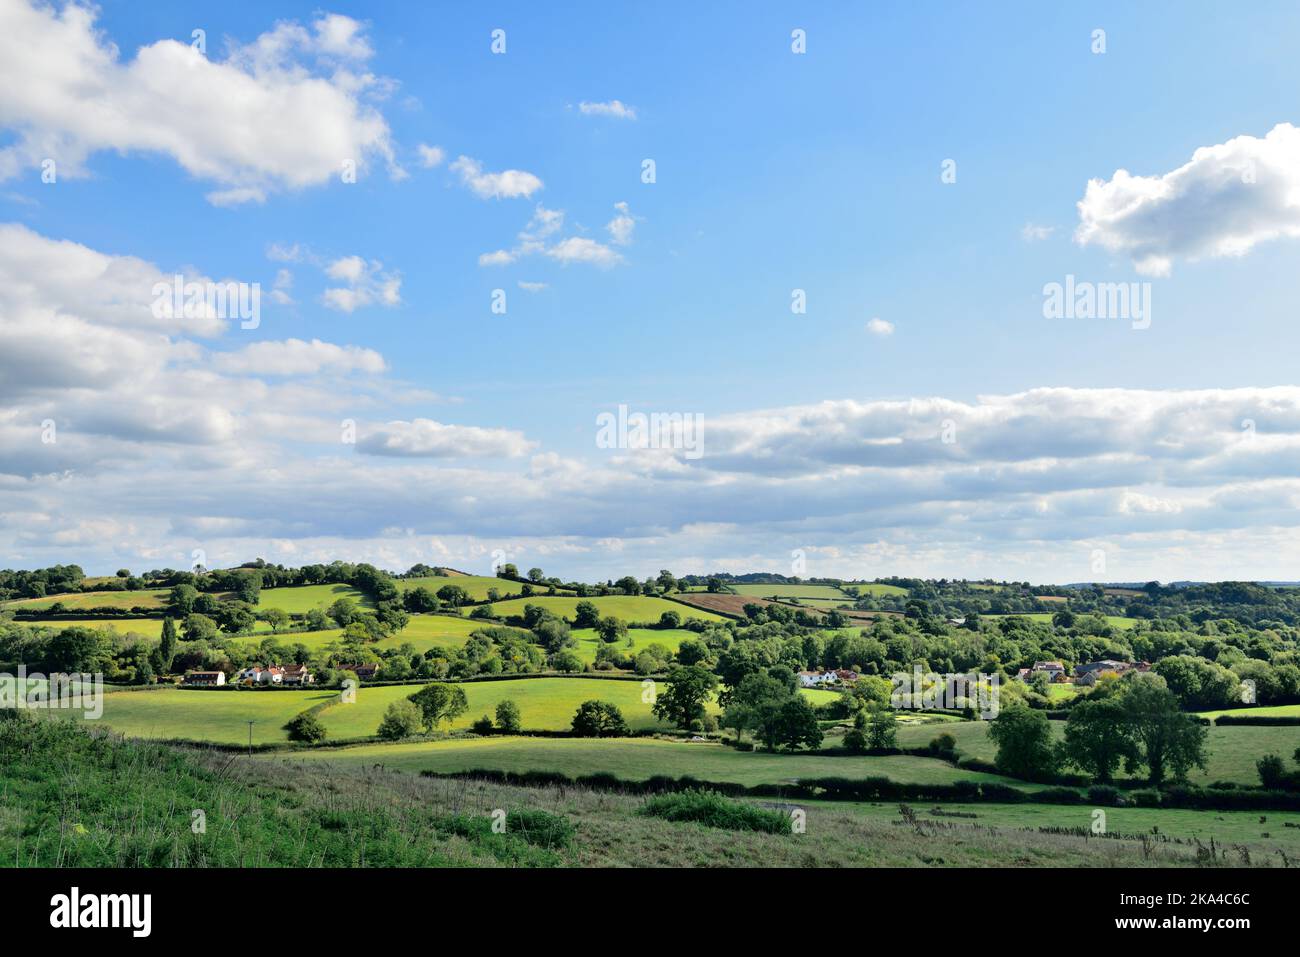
[636,759]
[792,591]
[630,608]
[155,598]
[300,599]
[640,638]
[1263,711]
[477,586]
[1231,751]
[220,717]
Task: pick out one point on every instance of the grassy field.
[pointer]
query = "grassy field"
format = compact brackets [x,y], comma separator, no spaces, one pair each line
[1264,711]
[314,640]
[670,638]
[1231,751]
[303,598]
[218,716]
[437,631]
[476,585]
[546,704]
[628,607]
[1225,827]
[791,591]
[871,588]
[156,598]
[132,804]
[636,759]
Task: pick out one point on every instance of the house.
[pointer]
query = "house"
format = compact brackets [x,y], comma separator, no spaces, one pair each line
[1054,670]
[362,671]
[1023,674]
[1088,674]
[262,676]
[298,675]
[817,679]
[956,622]
[847,676]
[204,679]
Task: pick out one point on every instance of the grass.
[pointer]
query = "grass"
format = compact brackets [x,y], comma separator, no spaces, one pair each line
[1265,711]
[792,591]
[713,810]
[68,799]
[636,759]
[546,704]
[299,599]
[1232,751]
[1115,621]
[670,638]
[871,588]
[220,717]
[314,640]
[156,598]
[476,585]
[1224,827]
[638,608]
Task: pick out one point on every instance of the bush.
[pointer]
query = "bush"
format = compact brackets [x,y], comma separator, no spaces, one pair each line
[401,720]
[307,728]
[483,725]
[1145,797]
[713,810]
[1105,795]
[599,719]
[540,829]
[943,745]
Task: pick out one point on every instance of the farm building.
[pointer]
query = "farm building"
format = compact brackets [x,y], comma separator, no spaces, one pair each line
[204,678]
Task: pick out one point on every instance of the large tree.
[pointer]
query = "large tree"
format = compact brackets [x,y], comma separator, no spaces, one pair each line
[689,689]
[1024,741]
[440,702]
[1098,737]
[1169,742]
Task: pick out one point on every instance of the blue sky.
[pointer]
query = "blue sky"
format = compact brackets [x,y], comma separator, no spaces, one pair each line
[775,171]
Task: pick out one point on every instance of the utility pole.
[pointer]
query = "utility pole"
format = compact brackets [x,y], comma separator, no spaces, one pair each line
[250,739]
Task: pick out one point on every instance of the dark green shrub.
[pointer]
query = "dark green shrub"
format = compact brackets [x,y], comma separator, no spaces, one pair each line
[713,810]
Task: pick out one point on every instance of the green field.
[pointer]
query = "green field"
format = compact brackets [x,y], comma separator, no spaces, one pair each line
[476,585]
[639,608]
[670,638]
[871,588]
[1225,827]
[1264,711]
[792,591]
[314,640]
[218,716]
[155,598]
[636,759]
[1232,751]
[299,599]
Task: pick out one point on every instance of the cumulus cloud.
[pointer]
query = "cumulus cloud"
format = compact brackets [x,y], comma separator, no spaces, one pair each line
[536,237]
[365,283]
[879,327]
[284,111]
[296,357]
[508,184]
[430,156]
[424,438]
[1033,233]
[614,108]
[1226,200]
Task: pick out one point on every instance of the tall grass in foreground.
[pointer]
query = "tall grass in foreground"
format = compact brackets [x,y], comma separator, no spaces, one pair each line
[713,810]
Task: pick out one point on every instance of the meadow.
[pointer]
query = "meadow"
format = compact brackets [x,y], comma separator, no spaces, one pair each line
[638,608]
[641,638]
[1263,711]
[1115,621]
[299,599]
[476,586]
[792,591]
[635,759]
[1231,751]
[220,717]
[156,598]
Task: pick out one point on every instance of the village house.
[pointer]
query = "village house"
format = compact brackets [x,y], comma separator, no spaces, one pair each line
[817,679]
[1087,675]
[207,679]
[363,672]
[1054,670]
[298,675]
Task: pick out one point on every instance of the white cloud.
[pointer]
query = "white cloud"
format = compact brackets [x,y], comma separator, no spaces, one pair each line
[282,112]
[879,327]
[621,226]
[424,438]
[613,108]
[508,184]
[1033,233]
[430,156]
[1223,202]
[366,284]
[580,249]
[532,286]
[294,357]
[501,257]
